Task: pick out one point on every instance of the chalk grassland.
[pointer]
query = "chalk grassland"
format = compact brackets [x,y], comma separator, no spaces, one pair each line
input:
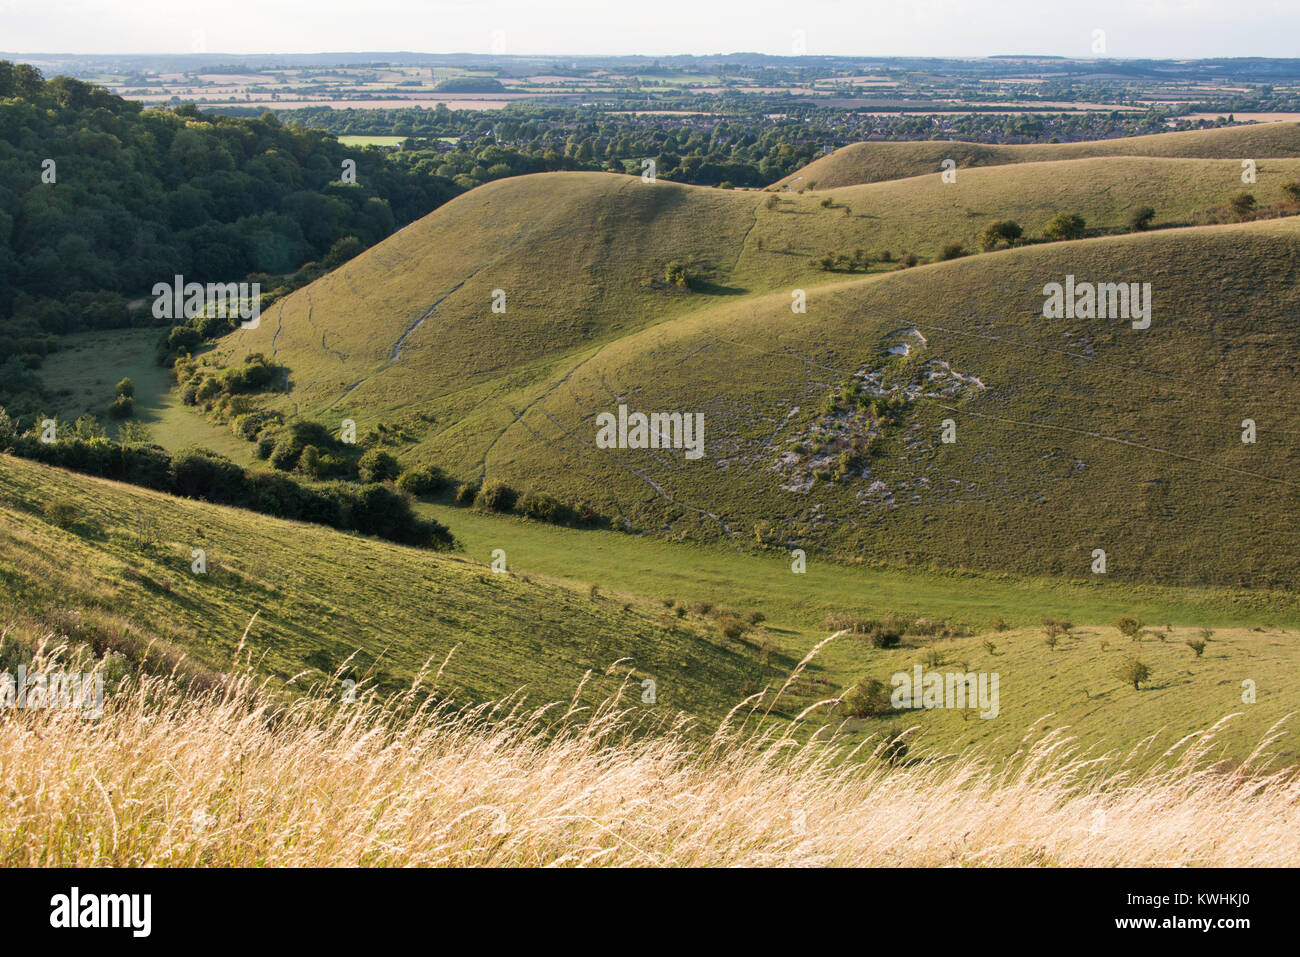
[332,606]
[581,257]
[1075,435]
[170,780]
[120,579]
[1079,434]
[874,162]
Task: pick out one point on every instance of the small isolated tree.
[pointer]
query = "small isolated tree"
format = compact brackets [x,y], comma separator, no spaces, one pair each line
[1197,646]
[1141,218]
[1129,627]
[951,251]
[122,408]
[994,234]
[1242,205]
[772,202]
[1051,640]
[910,260]
[1134,672]
[126,387]
[867,698]
[1065,226]
[826,203]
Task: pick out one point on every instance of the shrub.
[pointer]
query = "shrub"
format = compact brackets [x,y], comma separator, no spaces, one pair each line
[544,508]
[951,251]
[496,497]
[1065,226]
[126,387]
[62,512]
[377,466]
[422,480]
[732,628]
[1133,671]
[1128,626]
[8,431]
[677,274]
[1141,218]
[285,454]
[1292,191]
[466,494]
[1198,647]
[200,473]
[122,408]
[1242,205]
[309,461]
[881,637]
[1004,231]
[910,260]
[867,698]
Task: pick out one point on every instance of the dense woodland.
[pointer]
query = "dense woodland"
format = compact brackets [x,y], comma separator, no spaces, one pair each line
[139,196]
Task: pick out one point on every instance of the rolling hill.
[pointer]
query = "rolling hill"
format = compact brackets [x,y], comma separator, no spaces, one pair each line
[873,162]
[1071,435]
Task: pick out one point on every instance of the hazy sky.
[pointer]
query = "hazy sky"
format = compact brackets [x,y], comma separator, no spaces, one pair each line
[1133,28]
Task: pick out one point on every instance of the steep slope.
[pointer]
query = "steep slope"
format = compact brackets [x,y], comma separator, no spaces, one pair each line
[120,577]
[1071,434]
[873,162]
[407,330]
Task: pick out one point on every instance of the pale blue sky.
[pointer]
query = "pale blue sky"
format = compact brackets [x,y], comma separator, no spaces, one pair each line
[1133,28]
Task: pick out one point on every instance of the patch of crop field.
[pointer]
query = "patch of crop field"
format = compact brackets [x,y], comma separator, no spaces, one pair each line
[368,140]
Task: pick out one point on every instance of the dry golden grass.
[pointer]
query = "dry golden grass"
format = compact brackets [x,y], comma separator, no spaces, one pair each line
[169,778]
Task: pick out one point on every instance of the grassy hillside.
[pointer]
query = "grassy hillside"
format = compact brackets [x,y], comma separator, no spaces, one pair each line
[875,162]
[1072,435]
[119,578]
